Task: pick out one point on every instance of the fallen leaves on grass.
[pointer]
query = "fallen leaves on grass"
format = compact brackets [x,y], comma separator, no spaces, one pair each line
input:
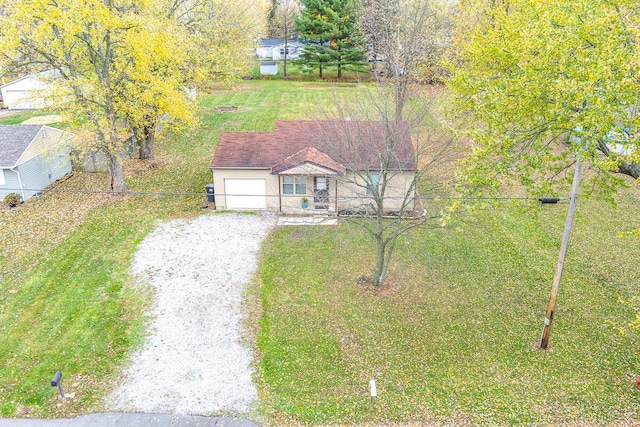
[41,223]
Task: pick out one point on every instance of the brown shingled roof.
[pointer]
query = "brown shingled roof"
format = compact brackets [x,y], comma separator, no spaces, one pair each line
[337,145]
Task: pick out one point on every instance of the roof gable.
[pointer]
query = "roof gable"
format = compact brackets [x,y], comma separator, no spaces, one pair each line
[309,158]
[14,141]
[41,77]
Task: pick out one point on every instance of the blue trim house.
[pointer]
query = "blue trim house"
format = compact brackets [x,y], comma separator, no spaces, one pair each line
[32,157]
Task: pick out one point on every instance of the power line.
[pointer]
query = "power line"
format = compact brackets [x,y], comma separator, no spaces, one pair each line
[288,196]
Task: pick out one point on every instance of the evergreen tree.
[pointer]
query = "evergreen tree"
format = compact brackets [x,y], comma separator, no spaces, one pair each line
[329,28]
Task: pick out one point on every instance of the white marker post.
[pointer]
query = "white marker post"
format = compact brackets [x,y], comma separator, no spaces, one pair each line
[373,392]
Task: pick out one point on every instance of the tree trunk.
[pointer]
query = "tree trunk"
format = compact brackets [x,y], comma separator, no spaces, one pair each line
[146,144]
[380,272]
[631,169]
[142,148]
[117,175]
[286,45]
[320,64]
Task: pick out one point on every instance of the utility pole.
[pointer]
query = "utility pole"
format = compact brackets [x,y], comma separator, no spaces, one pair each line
[546,330]
[285,13]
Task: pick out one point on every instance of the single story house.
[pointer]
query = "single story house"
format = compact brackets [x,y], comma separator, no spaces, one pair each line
[275,49]
[31,158]
[311,167]
[32,92]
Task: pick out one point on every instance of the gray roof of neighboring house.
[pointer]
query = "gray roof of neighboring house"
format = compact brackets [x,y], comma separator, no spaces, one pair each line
[270,42]
[277,42]
[14,140]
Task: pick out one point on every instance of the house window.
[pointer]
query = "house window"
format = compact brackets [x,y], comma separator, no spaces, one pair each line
[2,181]
[373,180]
[282,51]
[294,185]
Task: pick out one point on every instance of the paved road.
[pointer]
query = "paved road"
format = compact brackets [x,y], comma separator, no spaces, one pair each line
[130,420]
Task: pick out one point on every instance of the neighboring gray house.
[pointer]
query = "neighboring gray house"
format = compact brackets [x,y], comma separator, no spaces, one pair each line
[31,158]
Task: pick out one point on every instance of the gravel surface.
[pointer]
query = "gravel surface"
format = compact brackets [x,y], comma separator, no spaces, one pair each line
[193,361]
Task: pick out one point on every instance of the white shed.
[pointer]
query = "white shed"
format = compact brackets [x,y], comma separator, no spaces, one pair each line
[29,92]
[269,68]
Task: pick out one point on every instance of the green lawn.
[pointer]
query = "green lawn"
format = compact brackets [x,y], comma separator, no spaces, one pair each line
[451,338]
[453,335]
[17,117]
[66,300]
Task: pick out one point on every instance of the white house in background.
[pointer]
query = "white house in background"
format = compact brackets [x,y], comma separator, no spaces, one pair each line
[275,49]
[264,48]
[32,157]
[31,92]
[294,49]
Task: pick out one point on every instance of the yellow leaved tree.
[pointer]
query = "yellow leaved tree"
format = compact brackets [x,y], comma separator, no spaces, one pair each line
[536,83]
[126,65]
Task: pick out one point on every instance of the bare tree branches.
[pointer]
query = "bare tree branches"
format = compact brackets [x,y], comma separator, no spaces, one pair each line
[389,160]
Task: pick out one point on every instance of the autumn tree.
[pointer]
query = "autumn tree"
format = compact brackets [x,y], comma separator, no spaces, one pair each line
[392,163]
[281,22]
[273,27]
[223,31]
[189,43]
[281,18]
[329,28]
[536,83]
[97,47]
[401,34]
[406,151]
[405,40]
[155,93]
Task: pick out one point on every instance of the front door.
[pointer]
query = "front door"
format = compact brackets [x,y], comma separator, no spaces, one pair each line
[321,192]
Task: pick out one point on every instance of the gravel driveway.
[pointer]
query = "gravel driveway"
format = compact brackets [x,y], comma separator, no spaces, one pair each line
[193,361]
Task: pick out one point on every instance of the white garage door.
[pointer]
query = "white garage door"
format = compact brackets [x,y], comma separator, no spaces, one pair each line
[245,193]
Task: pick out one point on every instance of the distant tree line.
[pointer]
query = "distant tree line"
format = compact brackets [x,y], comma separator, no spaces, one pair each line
[386,36]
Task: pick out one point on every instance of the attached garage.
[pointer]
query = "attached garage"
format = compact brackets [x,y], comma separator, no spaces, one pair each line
[245,193]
